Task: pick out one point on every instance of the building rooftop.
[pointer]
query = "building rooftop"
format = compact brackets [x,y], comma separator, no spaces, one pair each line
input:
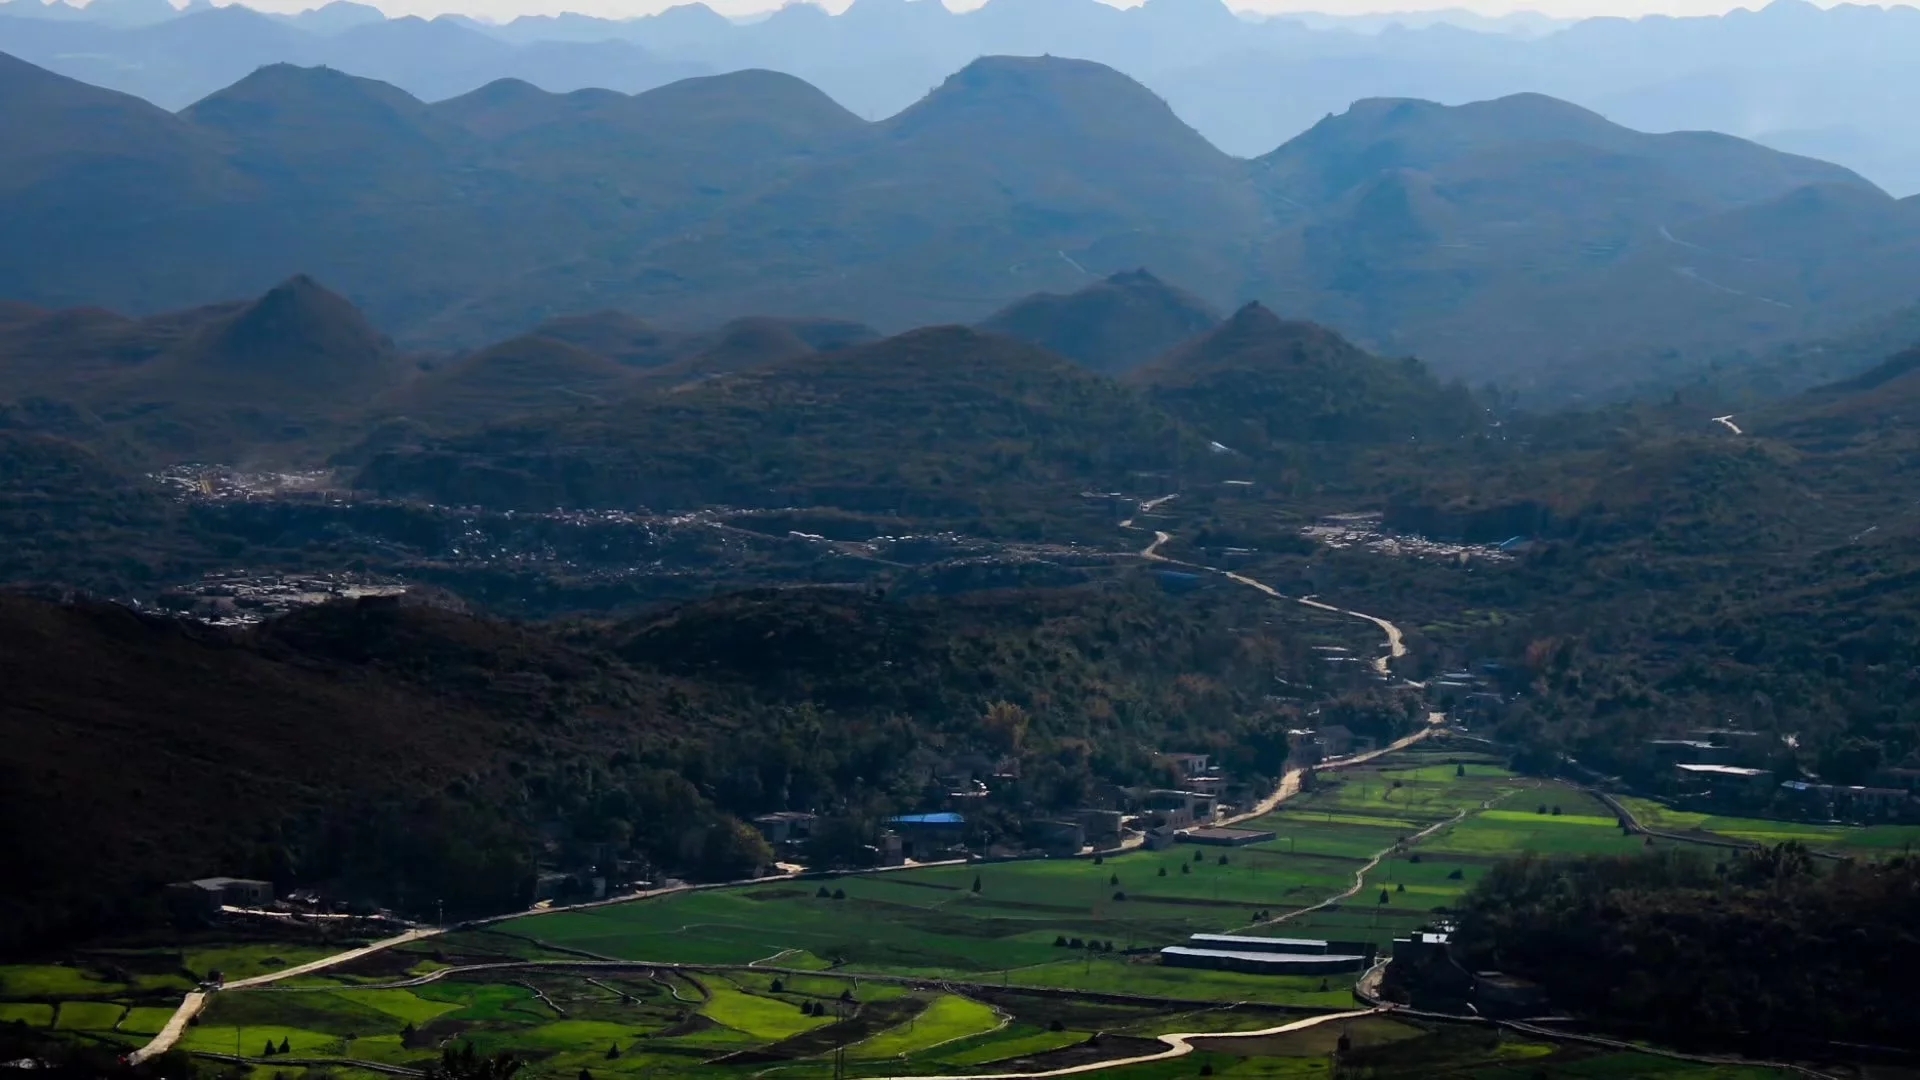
[944,818]
[1230,941]
[1227,833]
[1275,959]
[1722,770]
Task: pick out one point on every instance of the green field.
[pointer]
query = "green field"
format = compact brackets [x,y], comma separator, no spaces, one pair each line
[1861,839]
[947,1019]
[934,970]
[935,922]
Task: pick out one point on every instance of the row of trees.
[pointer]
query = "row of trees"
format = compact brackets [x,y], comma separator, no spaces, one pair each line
[1769,950]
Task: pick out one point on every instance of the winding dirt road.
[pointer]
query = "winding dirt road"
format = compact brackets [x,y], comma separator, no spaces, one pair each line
[1178,1045]
[1396,643]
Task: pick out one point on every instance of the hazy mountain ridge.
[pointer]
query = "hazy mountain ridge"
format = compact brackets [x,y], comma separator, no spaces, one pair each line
[1494,240]
[1247,84]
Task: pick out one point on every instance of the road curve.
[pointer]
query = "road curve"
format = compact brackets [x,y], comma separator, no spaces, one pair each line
[1396,641]
[190,1006]
[1178,1045]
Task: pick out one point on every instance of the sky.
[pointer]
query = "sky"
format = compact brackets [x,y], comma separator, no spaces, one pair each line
[502,10]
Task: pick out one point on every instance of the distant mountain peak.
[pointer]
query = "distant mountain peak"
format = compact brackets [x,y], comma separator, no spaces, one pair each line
[1111,326]
[298,339]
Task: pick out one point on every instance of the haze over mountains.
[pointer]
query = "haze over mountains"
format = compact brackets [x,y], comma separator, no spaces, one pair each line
[1501,240]
[1832,84]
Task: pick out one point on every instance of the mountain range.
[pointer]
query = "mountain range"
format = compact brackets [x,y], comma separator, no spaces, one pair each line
[1828,83]
[1497,240]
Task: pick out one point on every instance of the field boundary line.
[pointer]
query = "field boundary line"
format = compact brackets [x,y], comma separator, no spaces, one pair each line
[1178,1044]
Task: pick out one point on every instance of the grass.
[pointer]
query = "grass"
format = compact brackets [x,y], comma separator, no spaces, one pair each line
[1015,1041]
[949,1018]
[145,1020]
[53,981]
[1856,838]
[245,961]
[89,1015]
[32,1014]
[766,1018]
[934,925]
[1190,984]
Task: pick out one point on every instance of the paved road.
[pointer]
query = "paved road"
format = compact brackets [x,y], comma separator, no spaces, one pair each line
[1178,1045]
[1396,643]
[190,1006]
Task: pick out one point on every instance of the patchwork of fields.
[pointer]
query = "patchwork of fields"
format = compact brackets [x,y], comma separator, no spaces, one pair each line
[989,968]
[1869,840]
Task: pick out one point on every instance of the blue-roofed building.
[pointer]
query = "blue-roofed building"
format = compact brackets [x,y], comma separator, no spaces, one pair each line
[946,817]
[925,834]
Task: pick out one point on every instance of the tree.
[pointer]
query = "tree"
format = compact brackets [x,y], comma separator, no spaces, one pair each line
[1120,897]
[1163,871]
[839,894]
[269,1051]
[464,1064]
[285,1046]
[1383,896]
[1460,770]
[1113,879]
[778,986]
[976,883]
[1556,811]
[1056,1025]
[1199,856]
[1206,1069]
[613,1052]
[1060,942]
[1223,860]
[824,893]
[1186,868]
[584,1075]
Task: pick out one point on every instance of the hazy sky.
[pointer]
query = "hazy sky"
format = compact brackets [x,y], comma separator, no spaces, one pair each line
[1568,9]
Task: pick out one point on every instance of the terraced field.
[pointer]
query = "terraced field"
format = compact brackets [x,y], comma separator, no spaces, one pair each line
[1001,968]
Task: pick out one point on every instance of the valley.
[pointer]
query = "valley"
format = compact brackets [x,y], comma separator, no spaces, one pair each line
[678,576]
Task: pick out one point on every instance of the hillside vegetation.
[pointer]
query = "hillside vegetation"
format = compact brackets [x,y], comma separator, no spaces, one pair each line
[1495,239]
[403,752]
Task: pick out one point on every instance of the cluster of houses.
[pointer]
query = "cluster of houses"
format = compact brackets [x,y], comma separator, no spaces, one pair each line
[1185,811]
[1729,769]
[231,901]
[1425,974]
